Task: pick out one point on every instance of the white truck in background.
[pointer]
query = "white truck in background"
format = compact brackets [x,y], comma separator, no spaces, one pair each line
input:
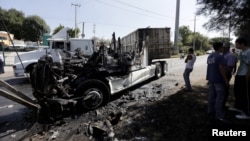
[60,46]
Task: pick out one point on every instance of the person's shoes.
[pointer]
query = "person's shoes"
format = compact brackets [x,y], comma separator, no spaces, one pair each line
[212,114]
[235,110]
[188,90]
[223,120]
[242,116]
[225,108]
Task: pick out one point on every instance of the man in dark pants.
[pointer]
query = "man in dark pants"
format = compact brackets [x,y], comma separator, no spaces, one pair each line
[230,64]
[241,84]
[217,79]
[236,56]
[190,60]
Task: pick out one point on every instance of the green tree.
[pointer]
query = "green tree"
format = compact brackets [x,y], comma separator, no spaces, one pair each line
[233,14]
[186,35]
[219,39]
[201,42]
[188,38]
[34,27]
[57,29]
[13,21]
[72,32]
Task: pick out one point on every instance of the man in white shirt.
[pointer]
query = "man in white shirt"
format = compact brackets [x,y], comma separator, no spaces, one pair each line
[241,82]
[190,60]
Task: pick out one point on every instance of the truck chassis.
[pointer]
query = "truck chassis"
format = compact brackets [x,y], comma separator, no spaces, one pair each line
[86,83]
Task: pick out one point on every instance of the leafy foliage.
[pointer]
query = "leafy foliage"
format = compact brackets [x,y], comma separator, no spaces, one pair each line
[74,32]
[34,28]
[185,34]
[13,20]
[218,39]
[57,29]
[233,14]
[28,28]
[189,39]
[71,31]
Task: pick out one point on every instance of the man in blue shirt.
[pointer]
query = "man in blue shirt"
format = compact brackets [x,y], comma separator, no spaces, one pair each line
[217,79]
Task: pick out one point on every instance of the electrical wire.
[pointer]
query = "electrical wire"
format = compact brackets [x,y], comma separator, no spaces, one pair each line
[128,10]
[138,8]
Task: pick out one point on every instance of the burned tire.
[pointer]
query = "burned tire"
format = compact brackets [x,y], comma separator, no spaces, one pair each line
[30,71]
[158,70]
[94,94]
[164,68]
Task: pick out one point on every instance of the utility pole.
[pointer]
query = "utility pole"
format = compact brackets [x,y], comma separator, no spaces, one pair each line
[75,14]
[176,36]
[94,29]
[194,32]
[229,27]
[83,35]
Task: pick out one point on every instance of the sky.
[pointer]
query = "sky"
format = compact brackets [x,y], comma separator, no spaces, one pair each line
[103,17]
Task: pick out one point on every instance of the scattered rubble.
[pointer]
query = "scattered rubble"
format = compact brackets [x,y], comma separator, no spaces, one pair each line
[101,123]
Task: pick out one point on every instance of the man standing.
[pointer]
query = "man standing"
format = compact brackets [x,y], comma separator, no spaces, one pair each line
[217,79]
[241,83]
[230,64]
[236,56]
[190,60]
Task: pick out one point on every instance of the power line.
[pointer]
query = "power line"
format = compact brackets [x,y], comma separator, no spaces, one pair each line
[145,10]
[86,2]
[94,29]
[108,24]
[127,9]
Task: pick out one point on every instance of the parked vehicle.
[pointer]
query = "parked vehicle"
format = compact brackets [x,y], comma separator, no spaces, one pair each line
[209,51]
[18,45]
[4,38]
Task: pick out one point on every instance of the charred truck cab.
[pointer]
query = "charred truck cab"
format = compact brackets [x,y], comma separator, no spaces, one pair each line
[60,47]
[87,82]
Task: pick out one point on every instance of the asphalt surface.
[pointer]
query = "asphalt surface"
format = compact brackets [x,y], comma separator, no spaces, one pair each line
[8,76]
[13,114]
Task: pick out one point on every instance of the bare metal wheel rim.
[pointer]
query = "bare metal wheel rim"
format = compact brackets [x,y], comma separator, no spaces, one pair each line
[158,71]
[93,98]
[165,68]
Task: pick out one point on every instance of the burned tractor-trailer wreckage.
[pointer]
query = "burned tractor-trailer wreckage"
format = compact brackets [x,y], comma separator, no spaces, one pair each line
[86,82]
